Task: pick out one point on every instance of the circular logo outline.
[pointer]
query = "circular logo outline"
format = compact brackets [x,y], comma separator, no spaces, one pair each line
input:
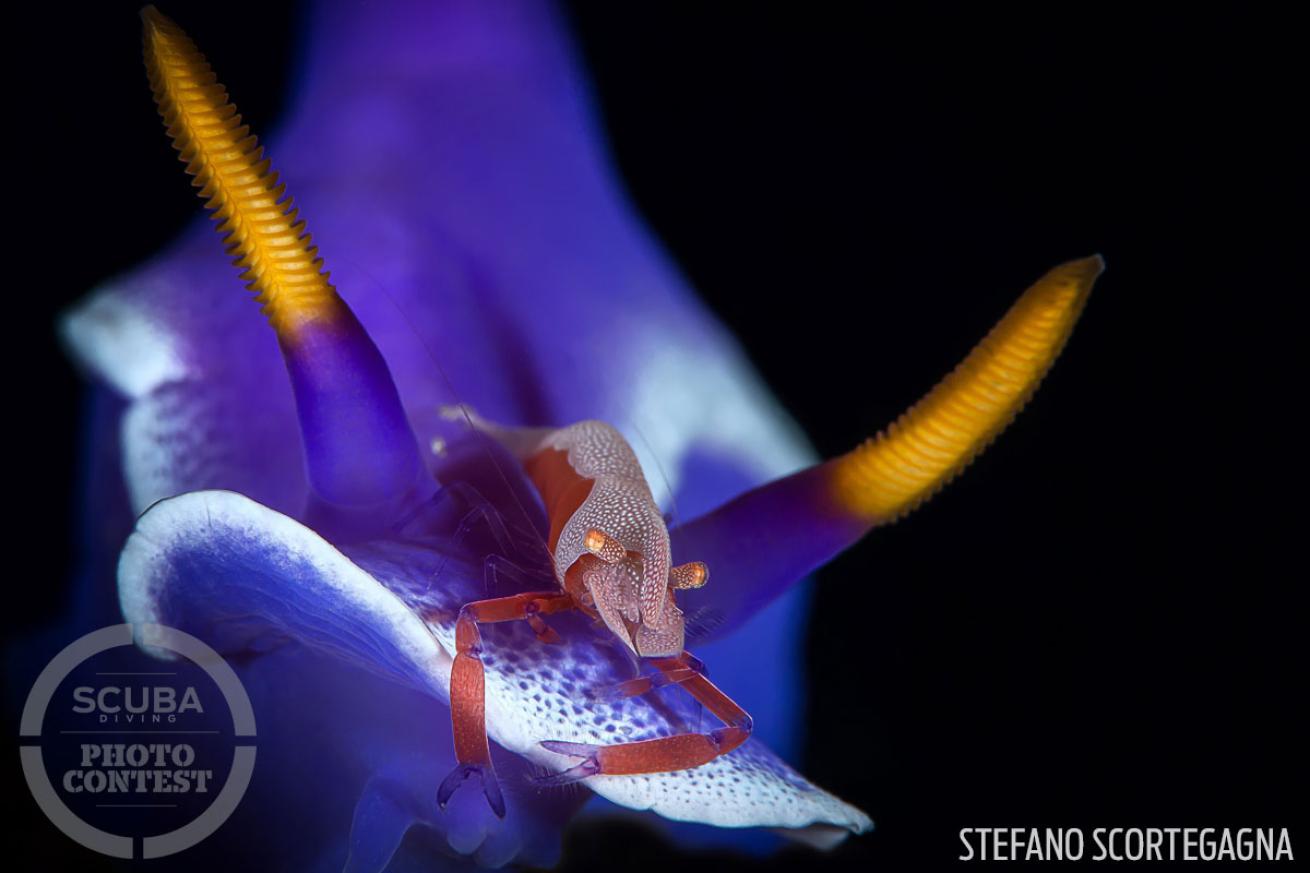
[147,636]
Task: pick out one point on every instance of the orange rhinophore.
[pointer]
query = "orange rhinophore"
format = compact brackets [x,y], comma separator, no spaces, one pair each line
[892,473]
[362,454]
[261,227]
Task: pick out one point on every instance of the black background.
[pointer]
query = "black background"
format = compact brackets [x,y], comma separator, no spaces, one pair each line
[1096,626]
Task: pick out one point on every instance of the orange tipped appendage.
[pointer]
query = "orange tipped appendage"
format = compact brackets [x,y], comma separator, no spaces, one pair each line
[360,454]
[260,225]
[926,447]
[693,574]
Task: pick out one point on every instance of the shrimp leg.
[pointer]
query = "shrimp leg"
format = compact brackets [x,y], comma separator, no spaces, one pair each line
[468,685]
[665,754]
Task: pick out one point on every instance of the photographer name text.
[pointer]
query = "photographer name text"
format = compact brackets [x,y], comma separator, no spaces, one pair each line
[1126,844]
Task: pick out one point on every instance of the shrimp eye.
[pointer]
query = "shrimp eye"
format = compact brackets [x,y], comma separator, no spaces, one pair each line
[604,546]
[693,574]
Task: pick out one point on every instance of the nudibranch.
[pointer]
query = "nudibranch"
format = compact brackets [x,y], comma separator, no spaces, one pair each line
[331,530]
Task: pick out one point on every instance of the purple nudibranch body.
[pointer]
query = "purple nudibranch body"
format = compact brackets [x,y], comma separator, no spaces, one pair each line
[328,528]
[474,227]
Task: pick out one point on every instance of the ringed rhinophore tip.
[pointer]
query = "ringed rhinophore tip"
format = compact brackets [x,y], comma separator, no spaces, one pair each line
[892,473]
[359,448]
[767,539]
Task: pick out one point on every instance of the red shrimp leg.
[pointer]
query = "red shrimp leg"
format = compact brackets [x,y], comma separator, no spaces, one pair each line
[661,678]
[666,754]
[468,685]
[646,684]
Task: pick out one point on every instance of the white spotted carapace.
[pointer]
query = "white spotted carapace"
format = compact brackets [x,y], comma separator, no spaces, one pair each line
[608,540]
[607,536]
